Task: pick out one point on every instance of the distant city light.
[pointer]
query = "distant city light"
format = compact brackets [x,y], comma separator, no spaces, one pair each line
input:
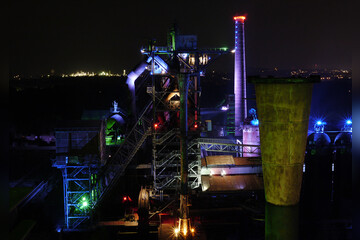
[348,122]
[224,108]
[92,74]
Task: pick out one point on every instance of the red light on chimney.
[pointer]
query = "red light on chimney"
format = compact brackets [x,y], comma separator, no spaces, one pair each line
[241,18]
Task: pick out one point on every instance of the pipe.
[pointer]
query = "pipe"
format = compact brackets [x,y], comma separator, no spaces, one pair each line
[132,76]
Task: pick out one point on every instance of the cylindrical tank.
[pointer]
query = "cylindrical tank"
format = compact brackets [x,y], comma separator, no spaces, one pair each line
[317,178]
[251,136]
[342,174]
[283,111]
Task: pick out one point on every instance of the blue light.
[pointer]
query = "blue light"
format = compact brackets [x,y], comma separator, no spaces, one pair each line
[319,126]
[254,122]
[348,125]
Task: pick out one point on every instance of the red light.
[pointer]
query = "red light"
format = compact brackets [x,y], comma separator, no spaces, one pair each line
[125,198]
[155,126]
[241,18]
[195,126]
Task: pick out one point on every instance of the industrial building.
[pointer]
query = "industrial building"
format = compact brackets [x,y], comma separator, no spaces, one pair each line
[168,136]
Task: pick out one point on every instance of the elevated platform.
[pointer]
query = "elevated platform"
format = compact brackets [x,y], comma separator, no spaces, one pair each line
[225,173]
[232,183]
[213,161]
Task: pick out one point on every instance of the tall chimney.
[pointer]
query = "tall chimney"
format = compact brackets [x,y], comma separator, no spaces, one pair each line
[240,75]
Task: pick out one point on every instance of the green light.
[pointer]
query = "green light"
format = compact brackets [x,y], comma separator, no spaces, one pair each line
[84,198]
[85,204]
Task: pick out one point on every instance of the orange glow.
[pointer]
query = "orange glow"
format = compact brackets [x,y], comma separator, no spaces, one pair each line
[155,126]
[176,231]
[241,18]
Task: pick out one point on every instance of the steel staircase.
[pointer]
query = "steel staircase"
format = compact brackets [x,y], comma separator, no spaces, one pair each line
[117,164]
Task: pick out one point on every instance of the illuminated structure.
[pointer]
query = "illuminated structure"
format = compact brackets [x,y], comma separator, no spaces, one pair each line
[240,75]
[347,126]
[283,109]
[251,136]
[230,115]
[319,126]
[175,72]
[80,155]
[166,86]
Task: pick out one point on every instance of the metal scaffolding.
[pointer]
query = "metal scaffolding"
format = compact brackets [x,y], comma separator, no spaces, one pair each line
[165,92]
[88,176]
[80,167]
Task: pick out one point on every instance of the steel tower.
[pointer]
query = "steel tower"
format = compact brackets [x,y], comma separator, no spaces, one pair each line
[240,74]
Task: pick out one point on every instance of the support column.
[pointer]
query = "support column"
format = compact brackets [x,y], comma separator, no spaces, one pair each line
[184,211]
[183,88]
[284,108]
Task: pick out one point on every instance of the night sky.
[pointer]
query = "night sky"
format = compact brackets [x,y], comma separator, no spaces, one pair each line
[107,35]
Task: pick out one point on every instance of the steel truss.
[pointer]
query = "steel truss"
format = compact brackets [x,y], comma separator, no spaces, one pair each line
[165,96]
[88,181]
[81,189]
[226,146]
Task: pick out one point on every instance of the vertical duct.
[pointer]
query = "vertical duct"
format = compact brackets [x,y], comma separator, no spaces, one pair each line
[239,75]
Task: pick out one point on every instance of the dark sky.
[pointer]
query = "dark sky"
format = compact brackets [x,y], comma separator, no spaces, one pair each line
[107,35]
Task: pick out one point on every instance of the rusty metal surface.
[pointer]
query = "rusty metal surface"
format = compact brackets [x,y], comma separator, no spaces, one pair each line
[230,160]
[218,160]
[232,183]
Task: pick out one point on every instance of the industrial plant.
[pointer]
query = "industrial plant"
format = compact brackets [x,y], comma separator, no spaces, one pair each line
[259,162]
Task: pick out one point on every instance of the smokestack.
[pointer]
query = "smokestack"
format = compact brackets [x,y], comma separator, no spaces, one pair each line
[239,74]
